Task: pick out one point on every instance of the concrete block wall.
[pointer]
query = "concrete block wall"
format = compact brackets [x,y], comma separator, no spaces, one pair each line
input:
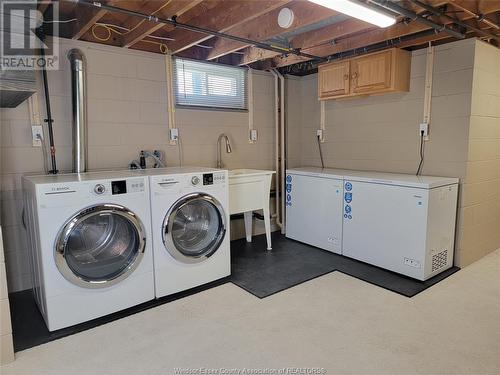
[127,112]
[480,226]
[382,133]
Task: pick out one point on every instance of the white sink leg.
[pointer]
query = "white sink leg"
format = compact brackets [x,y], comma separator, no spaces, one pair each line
[248,225]
[267,224]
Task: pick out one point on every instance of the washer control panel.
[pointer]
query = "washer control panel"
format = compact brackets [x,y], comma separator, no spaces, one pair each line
[119,187]
[195,180]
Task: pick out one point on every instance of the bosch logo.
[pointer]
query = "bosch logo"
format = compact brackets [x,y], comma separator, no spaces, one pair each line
[60,188]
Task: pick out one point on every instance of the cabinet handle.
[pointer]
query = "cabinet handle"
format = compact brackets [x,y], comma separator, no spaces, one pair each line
[346,77]
[355,75]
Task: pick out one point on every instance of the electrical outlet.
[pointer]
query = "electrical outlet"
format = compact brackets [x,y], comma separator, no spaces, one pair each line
[253,135]
[37,134]
[320,134]
[174,135]
[424,128]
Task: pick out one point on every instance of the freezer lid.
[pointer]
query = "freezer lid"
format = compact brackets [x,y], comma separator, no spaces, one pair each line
[397,179]
[317,172]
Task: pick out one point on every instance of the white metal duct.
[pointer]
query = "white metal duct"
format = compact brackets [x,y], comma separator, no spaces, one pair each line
[79,108]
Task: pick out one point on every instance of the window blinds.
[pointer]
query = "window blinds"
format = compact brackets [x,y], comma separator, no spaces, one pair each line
[202,84]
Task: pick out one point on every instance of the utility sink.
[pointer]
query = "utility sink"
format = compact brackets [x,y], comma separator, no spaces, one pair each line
[248,172]
[249,191]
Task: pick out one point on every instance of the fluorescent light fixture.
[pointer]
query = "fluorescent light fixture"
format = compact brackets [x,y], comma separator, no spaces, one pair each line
[359,11]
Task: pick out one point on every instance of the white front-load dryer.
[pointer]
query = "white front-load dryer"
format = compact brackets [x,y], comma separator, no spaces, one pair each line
[90,241]
[190,224]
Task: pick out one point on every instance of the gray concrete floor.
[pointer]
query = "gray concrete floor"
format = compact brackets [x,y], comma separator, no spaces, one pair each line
[334,322]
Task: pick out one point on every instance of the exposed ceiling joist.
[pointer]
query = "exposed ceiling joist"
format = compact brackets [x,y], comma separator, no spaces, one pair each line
[244,32]
[266,27]
[352,42]
[369,38]
[478,13]
[173,8]
[87,18]
[226,15]
[308,39]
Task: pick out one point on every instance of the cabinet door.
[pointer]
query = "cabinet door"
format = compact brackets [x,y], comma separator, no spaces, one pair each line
[333,79]
[371,73]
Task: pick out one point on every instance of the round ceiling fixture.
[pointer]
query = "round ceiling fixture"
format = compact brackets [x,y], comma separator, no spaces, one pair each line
[285,18]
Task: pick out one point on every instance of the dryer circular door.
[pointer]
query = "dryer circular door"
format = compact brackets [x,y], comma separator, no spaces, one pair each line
[100,246]
[194,228]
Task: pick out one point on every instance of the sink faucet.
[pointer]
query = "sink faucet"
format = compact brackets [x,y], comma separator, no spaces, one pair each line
[219,151]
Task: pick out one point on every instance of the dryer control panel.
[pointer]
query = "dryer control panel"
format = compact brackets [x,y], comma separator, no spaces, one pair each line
[213,178]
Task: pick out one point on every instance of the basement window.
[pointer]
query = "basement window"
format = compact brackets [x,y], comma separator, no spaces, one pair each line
[209,85]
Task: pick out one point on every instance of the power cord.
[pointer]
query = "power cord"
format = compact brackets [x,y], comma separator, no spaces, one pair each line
[422,149]
[320,151]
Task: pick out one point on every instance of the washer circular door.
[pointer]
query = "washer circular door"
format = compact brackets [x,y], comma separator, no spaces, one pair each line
[194,228]
[100,246]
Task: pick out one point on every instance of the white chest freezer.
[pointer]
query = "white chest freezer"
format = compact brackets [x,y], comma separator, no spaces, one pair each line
[402,223]
[314,207]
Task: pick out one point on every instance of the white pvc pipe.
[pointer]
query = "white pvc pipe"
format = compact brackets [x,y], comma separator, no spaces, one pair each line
[283,166]
[277,142]
[429,70]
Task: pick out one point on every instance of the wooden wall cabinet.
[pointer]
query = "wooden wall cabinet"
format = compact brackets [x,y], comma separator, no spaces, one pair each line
[376,73]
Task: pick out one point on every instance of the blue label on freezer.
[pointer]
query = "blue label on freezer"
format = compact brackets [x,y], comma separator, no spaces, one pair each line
[348,208]
[288,178]
[348,197]
[288,197]
[348,186]
[349,217]
[288,188]
[345,216]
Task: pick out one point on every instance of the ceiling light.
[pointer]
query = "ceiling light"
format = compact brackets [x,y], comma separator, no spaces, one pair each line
[359,11]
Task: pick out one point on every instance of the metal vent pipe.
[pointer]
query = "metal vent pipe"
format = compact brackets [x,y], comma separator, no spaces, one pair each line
[79,108]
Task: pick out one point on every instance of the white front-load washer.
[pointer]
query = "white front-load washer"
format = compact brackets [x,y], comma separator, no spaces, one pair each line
[190,224]
[90,240]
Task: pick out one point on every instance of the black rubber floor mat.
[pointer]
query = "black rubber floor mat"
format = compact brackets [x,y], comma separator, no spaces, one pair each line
[290,263]
[29,329]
